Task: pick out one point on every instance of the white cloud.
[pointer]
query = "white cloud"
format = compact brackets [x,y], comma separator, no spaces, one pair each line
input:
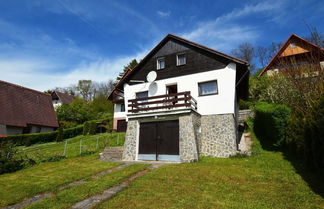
[163,14]
[223,33]
[41,74]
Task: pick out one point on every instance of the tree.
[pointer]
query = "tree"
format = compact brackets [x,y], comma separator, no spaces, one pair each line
[245,51]
[77,112]
[86,89]
[315,37]
[103,87]
[133,63]
[101,106]
[265,54]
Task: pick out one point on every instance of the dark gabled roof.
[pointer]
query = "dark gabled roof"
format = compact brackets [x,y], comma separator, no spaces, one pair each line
[63,97]
[284,46]
[159,45]
[20,106]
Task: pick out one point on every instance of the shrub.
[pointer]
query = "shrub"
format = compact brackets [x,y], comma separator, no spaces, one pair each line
[59,136]
[8,160]
[305,136]
[271,123]
[244,105]
[72,132]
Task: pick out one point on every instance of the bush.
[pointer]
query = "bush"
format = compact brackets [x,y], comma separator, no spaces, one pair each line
[245,105]
[72,132]
[59,136]
[305,136]
[271,123]
[8,161]
[92,127]
[29,139]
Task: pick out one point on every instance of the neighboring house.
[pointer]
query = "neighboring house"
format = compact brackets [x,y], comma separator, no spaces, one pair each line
[180,102]
[296,51]
[59,98]
[24,110]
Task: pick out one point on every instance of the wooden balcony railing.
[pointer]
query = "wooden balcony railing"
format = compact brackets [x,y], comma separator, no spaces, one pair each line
[163,102]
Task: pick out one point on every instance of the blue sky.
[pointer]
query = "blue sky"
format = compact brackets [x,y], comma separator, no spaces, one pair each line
[49,43]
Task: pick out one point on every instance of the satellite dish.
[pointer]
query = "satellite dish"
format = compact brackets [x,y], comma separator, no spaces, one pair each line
[151,76]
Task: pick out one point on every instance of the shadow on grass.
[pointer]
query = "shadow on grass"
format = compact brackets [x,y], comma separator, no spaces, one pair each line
[314,180]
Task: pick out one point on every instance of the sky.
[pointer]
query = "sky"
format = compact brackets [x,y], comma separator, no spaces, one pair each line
[54,43]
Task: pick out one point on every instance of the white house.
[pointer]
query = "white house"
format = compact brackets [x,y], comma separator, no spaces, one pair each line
[59,98]
[180,102]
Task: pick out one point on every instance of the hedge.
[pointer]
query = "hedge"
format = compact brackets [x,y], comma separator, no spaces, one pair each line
[270,123]
[58,135]
[305,136]
[29,139]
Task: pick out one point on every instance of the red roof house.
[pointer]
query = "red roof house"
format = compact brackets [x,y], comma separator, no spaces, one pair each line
[24,110]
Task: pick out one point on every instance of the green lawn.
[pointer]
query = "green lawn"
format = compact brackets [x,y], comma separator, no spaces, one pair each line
[89,143]
[68,197]
[47,177]
[265,180]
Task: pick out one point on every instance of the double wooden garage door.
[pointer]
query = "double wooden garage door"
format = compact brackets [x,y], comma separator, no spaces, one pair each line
[159,141]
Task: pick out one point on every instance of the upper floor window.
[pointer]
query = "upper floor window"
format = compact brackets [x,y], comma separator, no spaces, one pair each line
[208,88]
[181,59]
[160,64]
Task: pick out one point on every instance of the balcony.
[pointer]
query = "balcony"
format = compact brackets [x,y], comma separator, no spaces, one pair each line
[167,102]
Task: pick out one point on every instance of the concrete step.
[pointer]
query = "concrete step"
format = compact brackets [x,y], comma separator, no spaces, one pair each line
[112,153]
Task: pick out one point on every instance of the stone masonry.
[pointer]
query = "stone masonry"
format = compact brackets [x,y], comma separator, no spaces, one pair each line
[188,137]
[129,153]
[218,135]
[210,135]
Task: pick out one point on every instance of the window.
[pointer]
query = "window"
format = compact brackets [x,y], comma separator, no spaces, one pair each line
[181,59]
[160,63]
[122,107]
[208,88]
[293,45]
[141,94]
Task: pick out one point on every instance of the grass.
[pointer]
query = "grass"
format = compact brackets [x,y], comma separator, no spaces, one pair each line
[39,152]
[265,180]
[68,197]
[47,177]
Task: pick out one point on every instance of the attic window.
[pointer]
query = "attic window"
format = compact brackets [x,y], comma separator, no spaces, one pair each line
[293,45]
[160,64]
[181,59]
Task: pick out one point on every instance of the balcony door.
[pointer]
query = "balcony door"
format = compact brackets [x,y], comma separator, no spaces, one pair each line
[172,89]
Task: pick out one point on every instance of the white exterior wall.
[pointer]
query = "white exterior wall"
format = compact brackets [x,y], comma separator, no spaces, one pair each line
[117,111]
[222,103]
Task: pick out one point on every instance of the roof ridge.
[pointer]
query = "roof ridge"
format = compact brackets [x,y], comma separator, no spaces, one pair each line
[22,87]
[282,47]
[206,47]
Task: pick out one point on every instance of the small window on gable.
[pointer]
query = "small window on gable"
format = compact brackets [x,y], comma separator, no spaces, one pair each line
[122,107]
[208,88]
[181,59]
[293,45]
[160,64]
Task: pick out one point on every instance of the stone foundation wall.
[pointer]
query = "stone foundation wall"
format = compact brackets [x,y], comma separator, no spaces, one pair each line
[212,135]
[218,135]
[129,153]
[188,137]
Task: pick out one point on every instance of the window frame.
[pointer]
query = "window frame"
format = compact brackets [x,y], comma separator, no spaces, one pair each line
[199,91]
[122,107]
[178,64]
[158,67]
